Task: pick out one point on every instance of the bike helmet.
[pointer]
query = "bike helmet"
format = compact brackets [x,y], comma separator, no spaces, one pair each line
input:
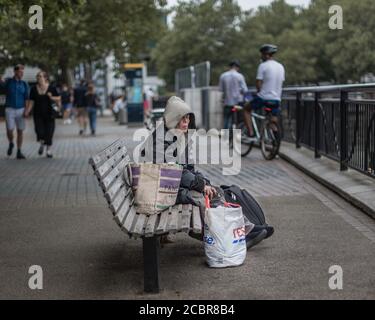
[268,48]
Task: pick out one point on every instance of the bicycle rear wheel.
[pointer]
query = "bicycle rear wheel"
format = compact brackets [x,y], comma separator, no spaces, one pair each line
[245,147]
[270,139]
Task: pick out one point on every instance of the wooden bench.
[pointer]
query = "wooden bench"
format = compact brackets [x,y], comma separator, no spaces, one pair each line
[108,166]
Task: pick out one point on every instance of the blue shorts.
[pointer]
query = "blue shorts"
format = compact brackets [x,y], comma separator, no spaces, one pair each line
[67,106]
[259,103]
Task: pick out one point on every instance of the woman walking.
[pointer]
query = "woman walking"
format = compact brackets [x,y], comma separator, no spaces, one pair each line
[92,103]
[43,98]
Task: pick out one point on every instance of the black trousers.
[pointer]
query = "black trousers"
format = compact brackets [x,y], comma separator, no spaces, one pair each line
[44,128]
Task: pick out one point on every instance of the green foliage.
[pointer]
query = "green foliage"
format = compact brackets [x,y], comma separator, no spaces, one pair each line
[202,31]
[77,31]
[218,31]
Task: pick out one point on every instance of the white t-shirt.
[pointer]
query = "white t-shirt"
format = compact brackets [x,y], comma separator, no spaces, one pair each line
[272,74]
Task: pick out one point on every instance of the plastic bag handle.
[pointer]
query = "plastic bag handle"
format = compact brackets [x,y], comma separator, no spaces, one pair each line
[207,201]
[230,204]
[226,204]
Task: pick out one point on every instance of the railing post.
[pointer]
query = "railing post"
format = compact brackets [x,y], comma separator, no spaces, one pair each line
[343,131]
[317,125]
[298,119]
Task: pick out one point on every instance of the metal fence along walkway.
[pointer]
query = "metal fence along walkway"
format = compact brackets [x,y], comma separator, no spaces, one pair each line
[335,121]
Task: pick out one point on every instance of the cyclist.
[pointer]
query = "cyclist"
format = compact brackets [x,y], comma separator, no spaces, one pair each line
[233,85]
[269,82]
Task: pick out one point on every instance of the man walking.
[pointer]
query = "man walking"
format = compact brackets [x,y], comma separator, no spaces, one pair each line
[17,94]
[233,85]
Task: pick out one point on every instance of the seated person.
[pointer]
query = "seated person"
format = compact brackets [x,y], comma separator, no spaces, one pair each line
[178,119]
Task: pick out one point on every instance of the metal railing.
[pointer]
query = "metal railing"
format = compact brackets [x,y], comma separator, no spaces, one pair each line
[335,121]
[196,76]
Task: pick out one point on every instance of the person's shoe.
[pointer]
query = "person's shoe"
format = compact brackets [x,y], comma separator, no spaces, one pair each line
[248,139]
[270,230]
[10,149]
[20,155]
[93,133]
[41,149]
[80,132]
[254,237]
[49,154]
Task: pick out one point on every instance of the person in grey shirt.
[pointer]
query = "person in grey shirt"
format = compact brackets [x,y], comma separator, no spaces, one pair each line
[232,83]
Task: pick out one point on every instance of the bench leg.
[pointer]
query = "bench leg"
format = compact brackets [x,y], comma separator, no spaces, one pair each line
[151,248]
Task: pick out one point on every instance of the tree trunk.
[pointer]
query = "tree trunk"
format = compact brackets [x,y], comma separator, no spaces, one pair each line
[66,75]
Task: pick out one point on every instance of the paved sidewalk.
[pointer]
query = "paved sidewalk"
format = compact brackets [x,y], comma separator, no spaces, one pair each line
[52,214]
[354,186]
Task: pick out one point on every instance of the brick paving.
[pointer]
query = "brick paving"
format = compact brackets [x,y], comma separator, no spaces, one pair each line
[53,214]
[67,180]
[64,181]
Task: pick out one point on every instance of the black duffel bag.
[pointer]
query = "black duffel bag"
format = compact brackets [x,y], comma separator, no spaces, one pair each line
[250,207]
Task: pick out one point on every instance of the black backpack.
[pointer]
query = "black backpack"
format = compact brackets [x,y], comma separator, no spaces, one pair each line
[250,207]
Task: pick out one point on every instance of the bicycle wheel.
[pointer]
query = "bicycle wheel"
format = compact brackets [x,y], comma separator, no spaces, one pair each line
[245,146]
[270,139]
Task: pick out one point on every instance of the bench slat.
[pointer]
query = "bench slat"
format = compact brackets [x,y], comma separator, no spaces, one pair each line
[163,222]
[151,224]
[196,220]
[114,174]
[119,200]
[124,210]
[179,218]
[137,229]
[185,217]
[106,167]
[172,225]
[105,154]
[111,193]
[127,224]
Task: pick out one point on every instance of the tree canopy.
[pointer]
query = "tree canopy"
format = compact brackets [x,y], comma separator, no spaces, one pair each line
[76,31]
[219,31]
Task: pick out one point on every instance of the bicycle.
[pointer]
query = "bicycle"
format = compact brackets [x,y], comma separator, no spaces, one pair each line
[268,137]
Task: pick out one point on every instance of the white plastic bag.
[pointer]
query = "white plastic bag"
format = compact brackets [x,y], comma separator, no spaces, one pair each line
[224,237]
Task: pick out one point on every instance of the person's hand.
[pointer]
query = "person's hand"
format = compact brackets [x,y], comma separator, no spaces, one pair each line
[26,113]
[209,191]
[49,94]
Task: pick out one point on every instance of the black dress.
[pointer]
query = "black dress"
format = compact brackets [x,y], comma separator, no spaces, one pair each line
[44,120]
